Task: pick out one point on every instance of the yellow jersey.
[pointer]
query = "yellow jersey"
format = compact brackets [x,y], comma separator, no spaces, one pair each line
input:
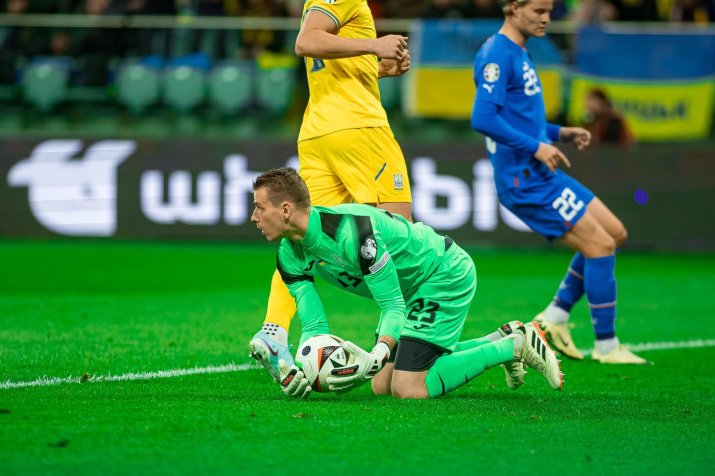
[343,92]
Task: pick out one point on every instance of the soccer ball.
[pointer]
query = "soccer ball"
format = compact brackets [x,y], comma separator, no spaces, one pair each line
[318,356]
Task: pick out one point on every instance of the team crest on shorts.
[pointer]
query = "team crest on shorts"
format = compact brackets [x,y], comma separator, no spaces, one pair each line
[398,182]
[491,72]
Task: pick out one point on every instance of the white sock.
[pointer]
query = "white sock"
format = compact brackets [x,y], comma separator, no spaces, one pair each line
[276,332]
[555,315]
[518,342]
[604,346]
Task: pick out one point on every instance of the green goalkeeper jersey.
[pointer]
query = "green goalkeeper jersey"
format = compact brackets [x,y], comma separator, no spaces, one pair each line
[364,250]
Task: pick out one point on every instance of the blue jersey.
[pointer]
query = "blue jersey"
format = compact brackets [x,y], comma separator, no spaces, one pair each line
[506,77]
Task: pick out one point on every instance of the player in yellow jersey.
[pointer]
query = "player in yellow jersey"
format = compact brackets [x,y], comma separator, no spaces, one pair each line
[346,149]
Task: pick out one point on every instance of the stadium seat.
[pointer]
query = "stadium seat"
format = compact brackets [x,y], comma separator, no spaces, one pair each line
[230,87]
[184,87]
[44,83]
[390,89]
[137,87]
[275,88]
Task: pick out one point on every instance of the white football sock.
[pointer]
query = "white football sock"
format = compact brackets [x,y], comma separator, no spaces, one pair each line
[604,346]
[518,342]
[555,315]
[276,332]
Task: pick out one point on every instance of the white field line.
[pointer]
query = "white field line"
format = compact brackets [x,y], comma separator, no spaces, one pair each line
[49,381]
[211,369]
[683,344]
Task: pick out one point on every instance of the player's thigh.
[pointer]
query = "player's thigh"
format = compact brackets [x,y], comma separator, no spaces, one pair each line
[436,312]
[370,165]
[325,186]
[435,317]
[608,220]
[549,206]
[407,384]
[589,237]
[382,382]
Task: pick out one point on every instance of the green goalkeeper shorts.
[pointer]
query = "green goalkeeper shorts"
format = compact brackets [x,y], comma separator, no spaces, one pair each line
[437,310]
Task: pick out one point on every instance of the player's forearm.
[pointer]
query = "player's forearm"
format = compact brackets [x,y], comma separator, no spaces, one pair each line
[309,309]
[385,289]
[391,323]
[486,119]
[390,341]
[320,44]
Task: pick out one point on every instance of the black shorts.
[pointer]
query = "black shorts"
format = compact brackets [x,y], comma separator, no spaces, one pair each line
[416,355]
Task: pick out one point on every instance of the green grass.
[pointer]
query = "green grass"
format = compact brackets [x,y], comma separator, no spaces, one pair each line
[101,308]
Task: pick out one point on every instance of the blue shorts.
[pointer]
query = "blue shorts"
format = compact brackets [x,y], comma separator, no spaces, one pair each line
[551,205]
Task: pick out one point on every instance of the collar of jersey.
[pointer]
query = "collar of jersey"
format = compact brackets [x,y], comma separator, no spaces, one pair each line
[314,231]
[510,42]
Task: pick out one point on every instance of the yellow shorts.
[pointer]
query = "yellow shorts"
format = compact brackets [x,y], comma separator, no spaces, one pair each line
[354,165]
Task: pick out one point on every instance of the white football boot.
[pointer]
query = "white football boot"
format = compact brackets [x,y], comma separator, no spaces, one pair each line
[269,353]
[534,352]
[559,336]
[619,355]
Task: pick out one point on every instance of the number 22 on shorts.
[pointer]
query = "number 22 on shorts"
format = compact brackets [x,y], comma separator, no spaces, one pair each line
[567,204]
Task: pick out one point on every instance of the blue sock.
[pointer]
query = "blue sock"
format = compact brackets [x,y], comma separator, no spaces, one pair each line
[571,288]
[600,285]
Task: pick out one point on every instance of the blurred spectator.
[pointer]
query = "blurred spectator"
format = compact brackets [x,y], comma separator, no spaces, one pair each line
[93,48]
[150,41]
[606,125]
[561,10]
[254,42]
[17,42]
[483,9]
[406,8]
[693,11]
[377,7]
[636,10]
[594,11]
[211,42]
[294,8]
[445,9]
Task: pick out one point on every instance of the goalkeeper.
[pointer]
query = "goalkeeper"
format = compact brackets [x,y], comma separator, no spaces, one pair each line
[422,282]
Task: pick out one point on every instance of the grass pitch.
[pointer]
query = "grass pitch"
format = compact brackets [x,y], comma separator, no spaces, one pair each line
[91,309]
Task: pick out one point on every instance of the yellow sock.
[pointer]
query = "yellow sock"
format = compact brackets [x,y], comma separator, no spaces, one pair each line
[281,305]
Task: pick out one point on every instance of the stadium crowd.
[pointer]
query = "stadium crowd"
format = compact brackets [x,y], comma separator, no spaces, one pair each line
[697,11]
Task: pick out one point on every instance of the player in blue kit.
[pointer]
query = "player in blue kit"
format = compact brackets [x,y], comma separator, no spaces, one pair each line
[509,111]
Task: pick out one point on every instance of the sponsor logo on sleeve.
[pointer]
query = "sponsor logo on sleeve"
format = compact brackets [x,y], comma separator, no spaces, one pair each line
[380,263]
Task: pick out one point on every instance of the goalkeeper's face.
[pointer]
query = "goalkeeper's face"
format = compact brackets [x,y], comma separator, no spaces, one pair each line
[271,219]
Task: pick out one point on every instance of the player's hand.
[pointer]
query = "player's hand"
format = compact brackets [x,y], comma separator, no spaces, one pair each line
[390,47]
[551,156]
[390,67]
[366,366]
[293,381]
[577,136]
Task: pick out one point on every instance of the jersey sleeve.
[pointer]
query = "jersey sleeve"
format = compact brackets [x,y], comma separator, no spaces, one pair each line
[491,77]
[486,119]
[381,278]
[340,11]
[301,286]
